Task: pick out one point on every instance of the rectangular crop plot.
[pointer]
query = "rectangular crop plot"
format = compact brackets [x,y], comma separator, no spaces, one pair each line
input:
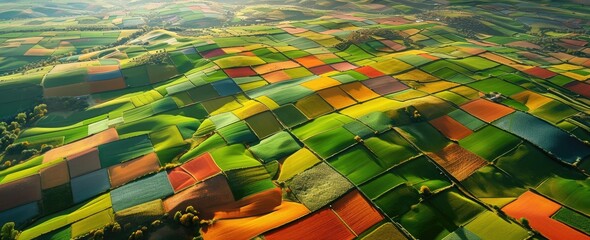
[20,192]
[486,110]
[489,142]
[89,185]
[317,225]
[130,170]
[123,150]
[356,212]
[550,138]
[538,211]
[141,191]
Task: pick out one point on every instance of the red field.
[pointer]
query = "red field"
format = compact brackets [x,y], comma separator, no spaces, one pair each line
[321,69]
[579,88]
[317,225]
[540,72]
[356,212]
[538,210]
[239,72]
[180,179]
[369,72]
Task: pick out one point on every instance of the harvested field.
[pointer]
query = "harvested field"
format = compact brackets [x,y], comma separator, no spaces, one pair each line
[458,161]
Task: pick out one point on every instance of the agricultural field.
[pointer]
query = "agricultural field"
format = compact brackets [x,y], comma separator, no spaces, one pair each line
[295,120]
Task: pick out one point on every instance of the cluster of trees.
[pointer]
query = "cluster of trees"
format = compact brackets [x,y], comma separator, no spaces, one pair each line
[56,104]
[367,35]
[550,44]
[190,217]
[9,132]
[469,26]
[160,57]
[8,232]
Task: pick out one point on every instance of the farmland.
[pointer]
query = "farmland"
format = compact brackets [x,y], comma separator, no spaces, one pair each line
[295,120]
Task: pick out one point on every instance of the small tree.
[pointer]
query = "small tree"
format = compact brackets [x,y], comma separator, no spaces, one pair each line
[187,219]
[8,232]
[525,223]
[98,234]
[425,191]
[177,216]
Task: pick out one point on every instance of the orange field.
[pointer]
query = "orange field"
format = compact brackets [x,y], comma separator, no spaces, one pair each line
[55,175]
[486,110]
[259,203]
[336,97]
[271,67]
[130,170]
[451,128]
[247,228]
[80,146]
[102,69]
[359,92]
[458,161]
[310,61]
[538,211]
[275,77]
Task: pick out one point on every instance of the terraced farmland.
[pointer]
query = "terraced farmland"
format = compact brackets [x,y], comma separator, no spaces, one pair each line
[337,120]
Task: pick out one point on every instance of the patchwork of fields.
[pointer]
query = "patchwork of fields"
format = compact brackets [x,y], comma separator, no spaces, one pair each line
[299,130]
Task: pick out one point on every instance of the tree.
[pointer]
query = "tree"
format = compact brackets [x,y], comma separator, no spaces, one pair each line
[40,110]
[21,118]
[425,191]
[45,147]
[525,223]
[13,125]
[187,219]
[177,216]
[8,231]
